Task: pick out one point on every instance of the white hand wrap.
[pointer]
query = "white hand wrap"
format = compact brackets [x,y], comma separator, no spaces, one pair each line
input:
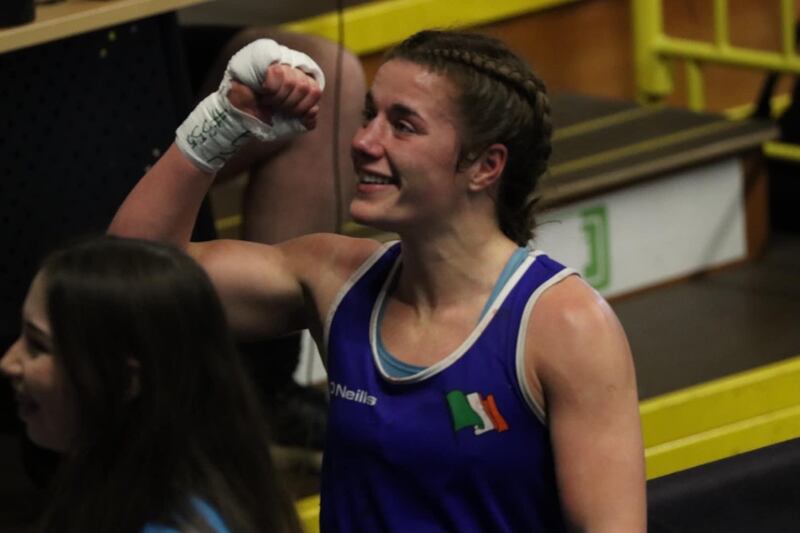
[215,130]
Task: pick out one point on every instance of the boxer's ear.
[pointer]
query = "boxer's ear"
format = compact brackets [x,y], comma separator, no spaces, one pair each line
[488,167]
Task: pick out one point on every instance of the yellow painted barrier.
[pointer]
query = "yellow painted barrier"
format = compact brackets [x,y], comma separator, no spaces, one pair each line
[230,222]
[722,442]
[722,418]
[778,105]
[376,26]
[308,511]
[779,150]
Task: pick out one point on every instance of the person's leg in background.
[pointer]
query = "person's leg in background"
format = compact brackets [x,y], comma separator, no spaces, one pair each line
[293,190]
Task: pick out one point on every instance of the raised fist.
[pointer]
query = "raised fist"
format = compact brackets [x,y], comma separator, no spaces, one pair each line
[286,91]
[269,92]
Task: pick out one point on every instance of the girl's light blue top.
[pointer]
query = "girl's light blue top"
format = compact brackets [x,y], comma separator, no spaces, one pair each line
[210,515]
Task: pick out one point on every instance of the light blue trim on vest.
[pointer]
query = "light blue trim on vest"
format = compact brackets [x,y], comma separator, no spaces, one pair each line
[399,369]
[513,264]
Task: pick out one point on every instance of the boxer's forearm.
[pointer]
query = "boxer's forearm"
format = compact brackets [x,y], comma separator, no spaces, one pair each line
[276,92]
[164,204]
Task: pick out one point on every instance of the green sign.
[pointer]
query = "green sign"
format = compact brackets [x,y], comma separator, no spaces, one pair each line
[597,272]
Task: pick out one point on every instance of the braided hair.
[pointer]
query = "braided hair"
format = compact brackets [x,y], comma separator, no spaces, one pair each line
[501,100]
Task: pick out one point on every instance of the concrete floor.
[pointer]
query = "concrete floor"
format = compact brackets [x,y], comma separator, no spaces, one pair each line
[716,324]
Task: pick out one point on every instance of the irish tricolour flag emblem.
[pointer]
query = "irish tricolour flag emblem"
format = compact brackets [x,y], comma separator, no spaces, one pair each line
[472,410]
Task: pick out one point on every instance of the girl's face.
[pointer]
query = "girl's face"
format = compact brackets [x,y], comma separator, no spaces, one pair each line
[406,152]
[44,402]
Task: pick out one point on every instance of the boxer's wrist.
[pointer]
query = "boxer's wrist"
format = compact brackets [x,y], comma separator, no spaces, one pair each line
[211,134]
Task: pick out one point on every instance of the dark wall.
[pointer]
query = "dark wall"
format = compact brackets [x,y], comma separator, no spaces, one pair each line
[80,121]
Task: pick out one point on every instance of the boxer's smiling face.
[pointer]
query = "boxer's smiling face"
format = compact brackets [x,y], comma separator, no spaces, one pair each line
[407,150]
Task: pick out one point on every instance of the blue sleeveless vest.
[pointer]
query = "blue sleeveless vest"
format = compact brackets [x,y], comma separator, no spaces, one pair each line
[460,446]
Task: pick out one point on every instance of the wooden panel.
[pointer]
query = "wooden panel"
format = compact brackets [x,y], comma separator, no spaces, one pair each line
[751,24]
[579,47]
[73,17]
[586,47]
[756,203]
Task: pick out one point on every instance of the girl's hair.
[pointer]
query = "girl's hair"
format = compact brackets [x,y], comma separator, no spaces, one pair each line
[165,414]
[501,100]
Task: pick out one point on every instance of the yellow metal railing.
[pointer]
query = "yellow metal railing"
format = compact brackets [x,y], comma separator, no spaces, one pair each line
[655,52]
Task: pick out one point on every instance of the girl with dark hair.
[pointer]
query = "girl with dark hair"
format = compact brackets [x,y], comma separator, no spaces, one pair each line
[126,367]
[476,384]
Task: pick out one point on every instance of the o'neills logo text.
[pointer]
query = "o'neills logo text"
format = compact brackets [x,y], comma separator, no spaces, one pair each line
[360,395]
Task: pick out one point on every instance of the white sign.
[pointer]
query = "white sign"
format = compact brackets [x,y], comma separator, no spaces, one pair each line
[653,232]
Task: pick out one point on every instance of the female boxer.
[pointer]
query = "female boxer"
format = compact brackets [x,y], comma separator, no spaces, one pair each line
[476,384]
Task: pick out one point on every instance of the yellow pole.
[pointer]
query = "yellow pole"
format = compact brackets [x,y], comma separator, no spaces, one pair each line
[653,76]
[721,23]
[787,27]
[694,86]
